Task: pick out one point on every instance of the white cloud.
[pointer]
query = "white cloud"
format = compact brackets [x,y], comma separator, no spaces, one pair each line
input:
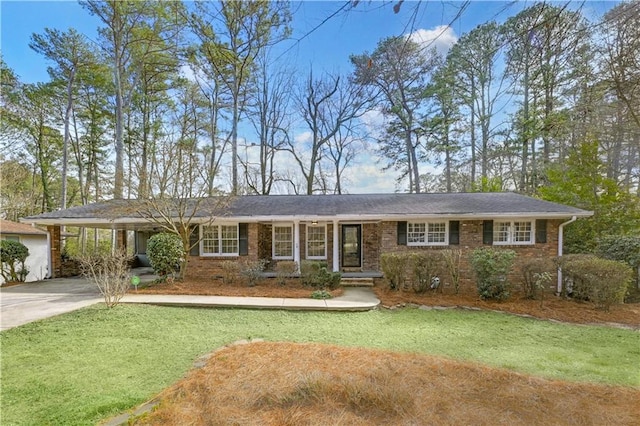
[303,137]
[369,179]
[187,72]
[441,37]
[373,119]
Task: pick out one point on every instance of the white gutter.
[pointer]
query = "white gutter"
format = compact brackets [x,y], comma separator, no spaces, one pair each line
[560,244]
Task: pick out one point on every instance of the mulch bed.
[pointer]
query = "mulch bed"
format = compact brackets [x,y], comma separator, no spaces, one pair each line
[268,287]
[553,308]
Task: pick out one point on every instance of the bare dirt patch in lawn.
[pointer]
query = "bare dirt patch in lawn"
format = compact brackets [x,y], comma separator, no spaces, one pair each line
[314,384]
[268,287]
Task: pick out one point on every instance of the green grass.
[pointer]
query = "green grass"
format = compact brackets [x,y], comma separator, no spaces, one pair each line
[84,366]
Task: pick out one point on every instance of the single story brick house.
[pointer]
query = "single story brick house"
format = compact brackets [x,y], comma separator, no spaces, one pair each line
[349,232]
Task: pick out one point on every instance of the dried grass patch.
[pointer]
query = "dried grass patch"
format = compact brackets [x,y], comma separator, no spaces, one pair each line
[315,384]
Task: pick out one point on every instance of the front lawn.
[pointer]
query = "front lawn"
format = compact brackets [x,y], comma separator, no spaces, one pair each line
[90,364]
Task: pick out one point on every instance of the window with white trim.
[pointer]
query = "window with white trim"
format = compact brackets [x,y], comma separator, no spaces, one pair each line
[516,232]
[316,242]
[220,240]
[283,241]
[427,233]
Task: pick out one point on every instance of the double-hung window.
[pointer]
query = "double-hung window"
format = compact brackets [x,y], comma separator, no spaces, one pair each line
[427,233]
[220,240]
[516,232]
[283,241]
[316,242]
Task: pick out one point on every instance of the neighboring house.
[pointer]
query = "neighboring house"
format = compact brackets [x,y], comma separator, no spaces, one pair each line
[36,240]
[349,232]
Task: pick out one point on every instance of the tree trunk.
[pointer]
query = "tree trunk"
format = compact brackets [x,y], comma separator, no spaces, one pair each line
[234,145]
[65,142]
[118,183]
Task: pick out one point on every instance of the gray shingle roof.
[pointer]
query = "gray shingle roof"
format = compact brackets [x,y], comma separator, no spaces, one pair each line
[363,205]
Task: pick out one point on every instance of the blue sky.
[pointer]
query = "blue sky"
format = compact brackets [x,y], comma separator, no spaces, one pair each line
[352,31]
[329,47]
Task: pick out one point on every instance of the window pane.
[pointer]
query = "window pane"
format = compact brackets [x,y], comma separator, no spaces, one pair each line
[416,232]
[229,239]
[282,241]
[501,232]
[522,232]
[437,232]
[210,242]
[316,241]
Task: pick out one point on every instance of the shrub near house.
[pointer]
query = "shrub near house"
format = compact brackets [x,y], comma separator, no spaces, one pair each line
[165,253]
[602,281]
[13,255]
[492,269]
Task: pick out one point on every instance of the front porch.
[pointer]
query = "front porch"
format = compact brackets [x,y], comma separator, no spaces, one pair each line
[352,248]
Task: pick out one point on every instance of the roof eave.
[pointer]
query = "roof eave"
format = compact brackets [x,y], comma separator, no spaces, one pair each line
[123,222]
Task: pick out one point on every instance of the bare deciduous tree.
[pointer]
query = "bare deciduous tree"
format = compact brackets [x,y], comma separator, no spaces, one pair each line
[110,272]
[328,106]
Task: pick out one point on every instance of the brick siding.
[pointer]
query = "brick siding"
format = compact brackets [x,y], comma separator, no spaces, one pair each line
[378,238]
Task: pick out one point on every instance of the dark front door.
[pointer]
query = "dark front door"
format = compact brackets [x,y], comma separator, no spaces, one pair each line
[351,246]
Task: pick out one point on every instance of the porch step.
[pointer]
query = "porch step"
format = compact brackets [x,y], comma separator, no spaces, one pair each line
[356,282]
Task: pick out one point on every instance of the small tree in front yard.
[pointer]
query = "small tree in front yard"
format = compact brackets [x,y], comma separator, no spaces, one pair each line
[13,254]
[492,267]
[177,215]
[110,272]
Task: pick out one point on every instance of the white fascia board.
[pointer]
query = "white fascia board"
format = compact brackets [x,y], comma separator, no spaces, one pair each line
[404,217]
[129,221]
[89,222]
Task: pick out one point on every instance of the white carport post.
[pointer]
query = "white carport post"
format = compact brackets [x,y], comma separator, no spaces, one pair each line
[296,242]
[336,252]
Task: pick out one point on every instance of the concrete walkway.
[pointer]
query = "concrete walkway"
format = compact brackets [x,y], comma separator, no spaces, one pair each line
[353,299]
[25,303]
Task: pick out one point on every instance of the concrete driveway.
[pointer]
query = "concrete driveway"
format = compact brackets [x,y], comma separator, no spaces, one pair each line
[24,303]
